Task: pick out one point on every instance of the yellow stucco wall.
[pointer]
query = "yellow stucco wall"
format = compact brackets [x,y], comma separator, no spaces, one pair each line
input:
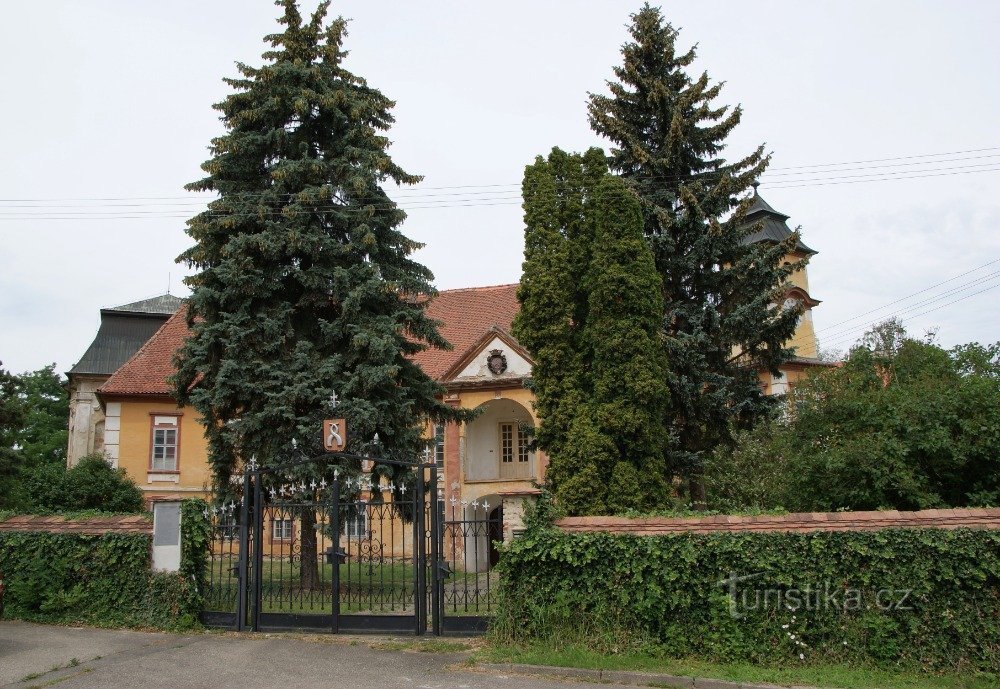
[804,340]
[193,474]
[800,278]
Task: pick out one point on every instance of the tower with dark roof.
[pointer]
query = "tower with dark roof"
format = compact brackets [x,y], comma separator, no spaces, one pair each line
[772,226]
[123,330]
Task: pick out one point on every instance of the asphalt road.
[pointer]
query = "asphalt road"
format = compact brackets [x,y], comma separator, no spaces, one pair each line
[80,658]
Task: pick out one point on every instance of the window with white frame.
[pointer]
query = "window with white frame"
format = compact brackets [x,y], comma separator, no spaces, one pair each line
[282,529]
[508,432]
[356,522]
[439,445]
[163,456]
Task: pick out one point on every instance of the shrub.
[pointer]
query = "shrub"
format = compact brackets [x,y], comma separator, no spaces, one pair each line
[101,580]
[608,591]
[92,484]
[105,580]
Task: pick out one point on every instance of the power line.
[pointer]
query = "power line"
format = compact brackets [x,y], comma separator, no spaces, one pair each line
[195,202]
[80,214]
[905,312]
[418,190]
[910,296]
[842,340]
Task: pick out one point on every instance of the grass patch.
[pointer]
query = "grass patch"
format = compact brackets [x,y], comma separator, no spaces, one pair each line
[421,646]
[839,676]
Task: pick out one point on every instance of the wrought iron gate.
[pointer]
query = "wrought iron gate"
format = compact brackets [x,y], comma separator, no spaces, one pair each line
[351,554]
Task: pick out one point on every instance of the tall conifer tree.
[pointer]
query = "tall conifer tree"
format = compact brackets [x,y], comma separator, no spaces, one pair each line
[305,285]
[590,315]
[719,320]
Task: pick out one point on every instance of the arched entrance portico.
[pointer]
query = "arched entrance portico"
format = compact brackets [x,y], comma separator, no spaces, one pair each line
[497,444]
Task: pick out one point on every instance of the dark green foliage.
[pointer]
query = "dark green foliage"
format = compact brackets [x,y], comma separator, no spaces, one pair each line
[92,484]
[44,435]
[719,327]
[12,416]
[99,580]
[590,315]
[34,413]
[305,283]
[196,539]
[752,475]
[610,591]
[627,387]
[559,218]
[903,424]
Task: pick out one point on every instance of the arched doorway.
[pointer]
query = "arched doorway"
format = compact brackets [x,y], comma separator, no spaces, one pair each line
[497,443]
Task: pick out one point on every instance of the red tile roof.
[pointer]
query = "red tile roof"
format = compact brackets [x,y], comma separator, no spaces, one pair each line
[147,371]
[464,316]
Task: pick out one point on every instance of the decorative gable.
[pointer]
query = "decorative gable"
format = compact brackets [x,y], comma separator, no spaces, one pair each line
[495,356]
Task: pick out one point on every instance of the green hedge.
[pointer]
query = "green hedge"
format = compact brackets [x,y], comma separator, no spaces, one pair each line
[103,580]
[611,591]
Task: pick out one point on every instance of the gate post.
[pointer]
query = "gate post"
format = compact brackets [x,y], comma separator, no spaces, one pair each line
[243,581]
[420,556]
[437,538]
[335,538]
[258,551]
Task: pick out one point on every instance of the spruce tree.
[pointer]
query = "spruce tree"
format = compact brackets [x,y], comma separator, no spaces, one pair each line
[719,321]
[305,285]
[590,315]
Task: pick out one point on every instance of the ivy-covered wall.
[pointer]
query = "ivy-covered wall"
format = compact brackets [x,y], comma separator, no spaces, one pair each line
[103,580]
[927,598]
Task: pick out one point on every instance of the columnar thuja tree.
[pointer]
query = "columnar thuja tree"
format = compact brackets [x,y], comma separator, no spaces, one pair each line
[305,285]
[590,315]
[719,321]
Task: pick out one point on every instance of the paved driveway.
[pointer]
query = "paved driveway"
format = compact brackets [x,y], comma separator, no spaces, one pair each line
[77,658]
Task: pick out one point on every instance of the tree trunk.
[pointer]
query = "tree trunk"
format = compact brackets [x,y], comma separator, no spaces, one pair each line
[308,563]
[696,491]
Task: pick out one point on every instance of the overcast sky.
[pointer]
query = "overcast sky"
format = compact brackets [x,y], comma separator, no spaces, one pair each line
[112,100]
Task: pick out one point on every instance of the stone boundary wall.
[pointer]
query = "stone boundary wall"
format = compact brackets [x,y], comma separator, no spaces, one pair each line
[94,526]
[982,518]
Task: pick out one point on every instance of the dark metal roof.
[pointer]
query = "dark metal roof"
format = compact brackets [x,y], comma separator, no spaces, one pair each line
[773,225]
[124,329]
[164,304]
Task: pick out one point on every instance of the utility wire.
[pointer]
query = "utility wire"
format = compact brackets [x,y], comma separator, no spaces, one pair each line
[194,202]
[841,341]
[418,190]
[906,311]
[910,296]
[81,214]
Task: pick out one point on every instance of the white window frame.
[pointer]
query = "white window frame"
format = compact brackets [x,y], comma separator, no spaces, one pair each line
[438,440]
[356,525]
[282,529]
[164,455]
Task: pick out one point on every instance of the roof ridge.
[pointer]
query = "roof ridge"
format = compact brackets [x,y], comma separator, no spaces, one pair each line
[154,304]
[480,288]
